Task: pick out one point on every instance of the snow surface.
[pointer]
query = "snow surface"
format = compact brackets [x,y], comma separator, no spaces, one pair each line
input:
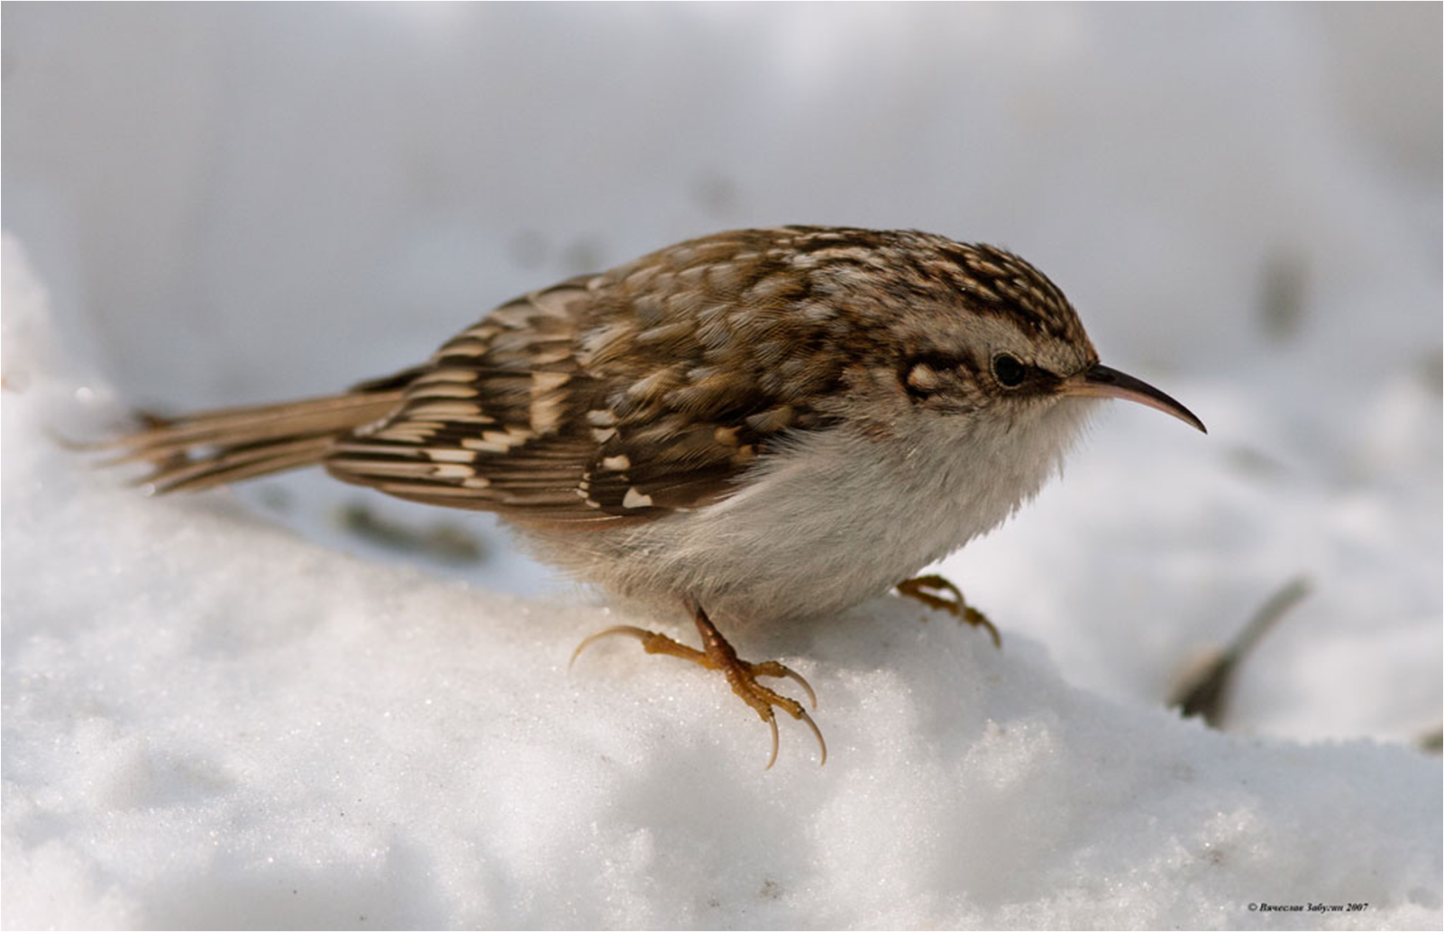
[213,717]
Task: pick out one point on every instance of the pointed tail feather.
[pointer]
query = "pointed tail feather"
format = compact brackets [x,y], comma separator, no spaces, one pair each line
[210,448]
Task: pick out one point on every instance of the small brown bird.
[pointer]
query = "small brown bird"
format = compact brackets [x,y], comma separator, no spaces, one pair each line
[759,425]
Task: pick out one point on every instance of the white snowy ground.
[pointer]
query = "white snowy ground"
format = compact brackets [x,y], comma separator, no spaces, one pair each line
[211,719]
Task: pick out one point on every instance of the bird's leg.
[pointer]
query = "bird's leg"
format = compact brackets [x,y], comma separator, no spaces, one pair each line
[717,654]
[936,592]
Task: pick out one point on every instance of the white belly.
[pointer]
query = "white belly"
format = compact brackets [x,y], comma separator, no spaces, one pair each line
[827,524]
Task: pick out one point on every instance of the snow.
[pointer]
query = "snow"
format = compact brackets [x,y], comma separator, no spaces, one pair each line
[235,710]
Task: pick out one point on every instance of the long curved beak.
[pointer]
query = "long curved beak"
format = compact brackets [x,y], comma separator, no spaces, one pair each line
[1102,382]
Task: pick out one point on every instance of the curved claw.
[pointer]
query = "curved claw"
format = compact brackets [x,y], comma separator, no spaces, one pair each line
[816,733]
[796,712]
[978,620]
[780,671]
[925,589]
[640,634]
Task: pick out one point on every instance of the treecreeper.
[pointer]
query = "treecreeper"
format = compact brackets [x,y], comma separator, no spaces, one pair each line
[756,426]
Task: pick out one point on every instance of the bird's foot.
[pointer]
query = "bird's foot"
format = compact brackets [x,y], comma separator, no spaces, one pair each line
[717,654]
[936,592]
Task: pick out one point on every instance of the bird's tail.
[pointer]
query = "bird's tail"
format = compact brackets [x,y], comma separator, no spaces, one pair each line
[210,448]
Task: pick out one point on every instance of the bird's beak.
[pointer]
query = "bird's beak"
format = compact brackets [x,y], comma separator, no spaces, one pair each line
[1103,382]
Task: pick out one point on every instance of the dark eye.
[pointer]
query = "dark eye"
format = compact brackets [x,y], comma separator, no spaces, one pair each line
[1008,370]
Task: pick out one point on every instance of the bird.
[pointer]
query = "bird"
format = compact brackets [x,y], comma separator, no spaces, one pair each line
[758,426]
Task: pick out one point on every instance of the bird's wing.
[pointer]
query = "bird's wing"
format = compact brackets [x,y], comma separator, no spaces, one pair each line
[547,412]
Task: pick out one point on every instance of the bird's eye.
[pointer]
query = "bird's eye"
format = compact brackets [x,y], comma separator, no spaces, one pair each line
[1008,370]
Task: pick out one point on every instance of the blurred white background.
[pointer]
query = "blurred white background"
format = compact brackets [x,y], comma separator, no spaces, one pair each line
[304,195]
